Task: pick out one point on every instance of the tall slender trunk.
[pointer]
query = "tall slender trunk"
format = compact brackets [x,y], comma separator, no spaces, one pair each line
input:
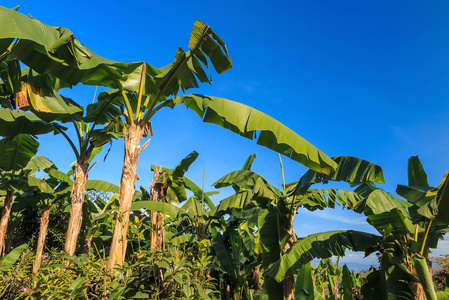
[76,209]
[157,193]
[289,282]
[10,232]
[132,138]
[6,212]
[41,239]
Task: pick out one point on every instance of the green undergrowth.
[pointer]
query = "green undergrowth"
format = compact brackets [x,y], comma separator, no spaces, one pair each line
[148,274]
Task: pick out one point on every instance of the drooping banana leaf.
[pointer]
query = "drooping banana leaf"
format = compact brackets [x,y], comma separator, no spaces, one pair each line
[49,105]
[178,240]
[248,122]
[248,180]
[438,207]
[165,208]
[320,245]
[101,185]
[17,151]
[320,199]
[14,122]
[379,201]
[40,185]
[53,50]
[350,169]
[396,218]
[40,162]
[239,200]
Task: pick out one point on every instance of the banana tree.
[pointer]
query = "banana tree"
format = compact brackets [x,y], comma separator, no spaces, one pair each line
[16,153]
[146,91]
[410,229]
[141,90]
[47,192]
[12,183]
[282,253]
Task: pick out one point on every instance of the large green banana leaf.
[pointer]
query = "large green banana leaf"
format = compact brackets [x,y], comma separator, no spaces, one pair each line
[158,84]
[11,258]
[320,199]
[14,122]
[188,66]
[248,180]
[304,289]
[53,50]
[101,185]
[165,208]
[395,218]
[438,207]
[320,245]
[225,258]
[350,169]
[239,200]
[17,151]
[10,74]
[39,162]
[379,201]
[248,121]
[416,174]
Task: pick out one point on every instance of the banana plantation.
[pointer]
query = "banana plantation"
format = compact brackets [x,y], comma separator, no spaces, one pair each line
[66,236]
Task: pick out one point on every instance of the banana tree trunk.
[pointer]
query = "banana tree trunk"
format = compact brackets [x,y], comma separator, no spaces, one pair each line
[132,137]
[6,212]
[157,193]
[289,282]
[76,209]
[425,288]
[10,232]
[41,239]
[87,245]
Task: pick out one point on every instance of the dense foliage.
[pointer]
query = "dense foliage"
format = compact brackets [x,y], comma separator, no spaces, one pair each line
[65,236]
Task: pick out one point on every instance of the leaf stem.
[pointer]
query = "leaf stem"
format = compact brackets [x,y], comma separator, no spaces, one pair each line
[440,196]
[122,91]
[70,142]
[142,84]
[282,171]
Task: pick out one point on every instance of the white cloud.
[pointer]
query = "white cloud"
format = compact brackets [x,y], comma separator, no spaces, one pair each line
[338,216]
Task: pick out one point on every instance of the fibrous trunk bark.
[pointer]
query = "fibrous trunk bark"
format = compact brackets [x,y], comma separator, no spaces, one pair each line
[6,212]
[10,232]
[41,239]
[158,191]
[76,209]
[416,286]
[289,282]
[132,137]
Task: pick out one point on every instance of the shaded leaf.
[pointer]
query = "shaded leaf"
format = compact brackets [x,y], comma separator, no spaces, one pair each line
[350,169]
[320,245]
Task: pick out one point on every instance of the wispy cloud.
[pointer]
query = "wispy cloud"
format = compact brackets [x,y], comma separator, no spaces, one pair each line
[344,217]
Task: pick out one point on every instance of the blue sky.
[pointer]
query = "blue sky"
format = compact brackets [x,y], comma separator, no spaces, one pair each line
[361,78]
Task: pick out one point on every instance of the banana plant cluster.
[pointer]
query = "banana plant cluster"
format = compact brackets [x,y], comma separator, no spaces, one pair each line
[248,241]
